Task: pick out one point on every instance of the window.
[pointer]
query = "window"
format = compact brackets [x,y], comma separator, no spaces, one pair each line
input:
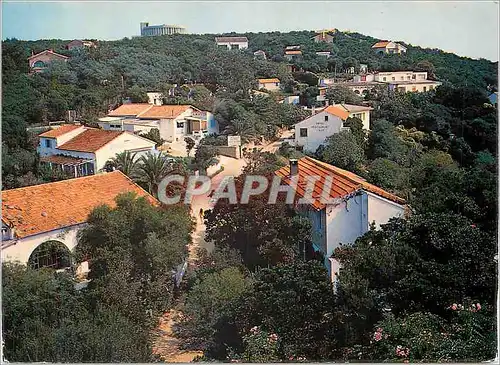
[384,79]
[303,132]
[425,89]
[413,77]
[393,79]
[47,143]
[402,77]
[235,46]
[326,118]
[277,84]
[408,77]
[180,124]
[40,64]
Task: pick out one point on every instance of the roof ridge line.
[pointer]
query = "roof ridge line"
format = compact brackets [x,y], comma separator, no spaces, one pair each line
[60,181]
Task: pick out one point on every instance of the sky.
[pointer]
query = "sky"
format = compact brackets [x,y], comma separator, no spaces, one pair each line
[465,28]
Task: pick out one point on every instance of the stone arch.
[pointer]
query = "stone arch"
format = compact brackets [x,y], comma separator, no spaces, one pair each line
[52,254]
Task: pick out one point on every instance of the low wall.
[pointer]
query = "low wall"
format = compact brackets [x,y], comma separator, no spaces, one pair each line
[228,151]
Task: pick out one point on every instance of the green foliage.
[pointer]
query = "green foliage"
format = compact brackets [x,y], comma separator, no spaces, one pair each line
[154,135]
[190,143]
[342,95]
[126,162]
[205,304]
[46,319]
[134,248]
[342,150]
[137,94]
[204,157]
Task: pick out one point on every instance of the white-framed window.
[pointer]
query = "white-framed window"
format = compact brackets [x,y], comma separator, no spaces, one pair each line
[326,118]
[303,132]
[180,124]
[48,143]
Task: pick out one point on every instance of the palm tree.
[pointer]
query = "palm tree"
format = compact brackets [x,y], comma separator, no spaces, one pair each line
[242,128]
[153,168]
[125,162]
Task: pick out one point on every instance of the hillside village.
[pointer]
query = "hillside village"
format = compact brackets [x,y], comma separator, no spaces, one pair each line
[386,252]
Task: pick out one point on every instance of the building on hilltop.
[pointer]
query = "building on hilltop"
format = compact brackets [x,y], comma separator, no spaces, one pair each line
[174,122]
[313,131]
[323,36]
[349,207]
[80,44]
[388,47]
[40,61]
[269,84]
[82,151]
[232,42]
[163,29]
[40,223]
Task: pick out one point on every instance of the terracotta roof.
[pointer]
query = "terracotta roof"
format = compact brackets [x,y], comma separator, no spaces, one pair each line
[231,39]
[381,44]
[90,141]
[353,108]
[46,207]
[130,109]
[268,81]
[59,131]
[64,160]
[337,111]
[164,111]
[344,182]
[50,52]
[293,52]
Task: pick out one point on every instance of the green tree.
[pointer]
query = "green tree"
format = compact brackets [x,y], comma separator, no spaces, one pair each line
[342,150]
[152,169]
[204,157]
[154,135]
[137,94]
[126,162]
[190,143]
[342,95]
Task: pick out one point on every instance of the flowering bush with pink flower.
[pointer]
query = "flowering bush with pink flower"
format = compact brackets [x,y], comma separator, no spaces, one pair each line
[469,335]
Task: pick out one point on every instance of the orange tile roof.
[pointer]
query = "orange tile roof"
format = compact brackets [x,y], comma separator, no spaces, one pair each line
[48,51]
[130,109]
[164,111]
[59,131]
[90,141]
[339,112]
[293,52]
[46,207]
[344,182]
[268,81]
[381,44]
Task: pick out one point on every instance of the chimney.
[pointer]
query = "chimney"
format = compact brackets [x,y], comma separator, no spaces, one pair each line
[294,167]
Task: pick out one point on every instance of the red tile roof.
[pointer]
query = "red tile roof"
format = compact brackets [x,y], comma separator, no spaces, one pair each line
[268,81]
[381,44]
[164,111]
[293,52]
[130,110]
[90,141]
[337,111]
[344,182]
[231,39]
[46,207]
[48,51]
[59,131]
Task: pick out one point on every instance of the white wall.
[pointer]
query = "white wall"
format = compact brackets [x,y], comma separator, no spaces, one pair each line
[271,86]
[241,45]
[124,142]
[22,250]
[380,210]
[54,142]
[317,130]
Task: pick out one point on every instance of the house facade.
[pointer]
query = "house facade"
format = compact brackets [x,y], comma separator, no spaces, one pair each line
[40,61]
[163,29]
[232,42]
[293,55]
[80,44]
[174,122]
[82,151]
[272,84]
[401,81]
[350,206]
[388,47]
[40,223]
[323,37]
[312,132]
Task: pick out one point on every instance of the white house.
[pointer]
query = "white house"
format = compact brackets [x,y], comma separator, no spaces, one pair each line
[272,84]
[155,98]
[173,121]
[84,151]
[312,132]
[389,47]
[402,81]
[40,222]
[354,205]
[232,42]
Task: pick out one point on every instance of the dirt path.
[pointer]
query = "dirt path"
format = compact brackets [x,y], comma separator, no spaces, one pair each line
[166,345]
